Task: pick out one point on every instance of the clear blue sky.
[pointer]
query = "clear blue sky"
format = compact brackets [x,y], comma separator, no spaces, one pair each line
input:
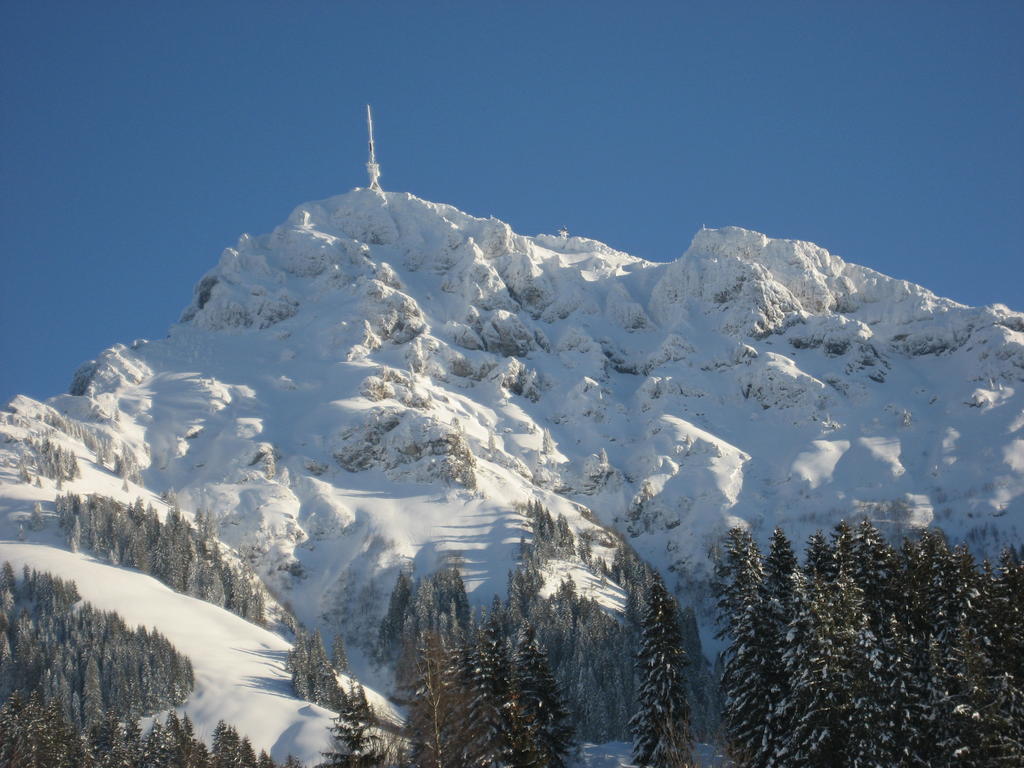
[138,139]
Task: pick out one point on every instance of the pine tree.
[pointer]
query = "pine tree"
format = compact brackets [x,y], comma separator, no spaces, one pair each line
[226,752]
[661,726]
[745,688]
[339,659]
[92,697]
[548,735]
[246,754]
[818,557]
[389,638]
[492,730]
[874,736]
[874,569]
[768,684]
[36,522]
[355,743]
[819,660]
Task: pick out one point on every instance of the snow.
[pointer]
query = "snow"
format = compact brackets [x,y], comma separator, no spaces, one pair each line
[1013,455]
[619,754]
[239,667]
[817,464]
[340,394]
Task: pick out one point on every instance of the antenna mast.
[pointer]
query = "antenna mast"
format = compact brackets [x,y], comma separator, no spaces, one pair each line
[372,167]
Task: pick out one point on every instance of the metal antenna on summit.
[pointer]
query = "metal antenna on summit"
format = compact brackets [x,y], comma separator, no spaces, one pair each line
[371,167]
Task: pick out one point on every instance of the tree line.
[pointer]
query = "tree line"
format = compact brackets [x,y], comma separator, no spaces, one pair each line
[85,659]
[37,734]
[185,557]
[75,680]
[516,684]
[871,655]
[589,649]
[476,698]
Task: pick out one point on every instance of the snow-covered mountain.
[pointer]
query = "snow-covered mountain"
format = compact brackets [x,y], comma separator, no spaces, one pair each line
[381,381]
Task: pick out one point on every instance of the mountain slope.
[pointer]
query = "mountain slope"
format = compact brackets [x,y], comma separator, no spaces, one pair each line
[239,668]
[380,380]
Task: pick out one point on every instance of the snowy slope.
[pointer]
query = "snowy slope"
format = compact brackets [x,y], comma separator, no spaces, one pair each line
[381,379]
[239,667]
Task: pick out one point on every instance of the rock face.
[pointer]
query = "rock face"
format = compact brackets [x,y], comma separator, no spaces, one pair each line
[380,379]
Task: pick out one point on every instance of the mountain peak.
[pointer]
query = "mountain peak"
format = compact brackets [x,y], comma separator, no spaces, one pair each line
[376,345]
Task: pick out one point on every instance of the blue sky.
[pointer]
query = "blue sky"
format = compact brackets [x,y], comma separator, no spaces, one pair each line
[137,140]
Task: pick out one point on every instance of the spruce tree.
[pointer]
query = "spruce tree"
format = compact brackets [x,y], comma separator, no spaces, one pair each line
[226,747]
[768,684]
[745,687]
[820,662]
[355,743]
[544,720]
[339,659]
[818,557]
[661,726]
[493,730]
[874,569]
[390,635]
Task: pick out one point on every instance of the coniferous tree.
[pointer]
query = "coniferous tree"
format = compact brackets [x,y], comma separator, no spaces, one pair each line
[494,733]
[92,696]
[661,726]
[908,658]
[36,522]
[818,561]
[768,686]
[740,589]
[823,638]
[355,743]
[874,568]
[173,551]
[339,658]
[874,739]
[389,639]
[227,747]
[36,735]
[544,721]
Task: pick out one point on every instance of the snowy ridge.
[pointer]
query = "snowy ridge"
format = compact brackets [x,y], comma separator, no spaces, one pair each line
[379,381]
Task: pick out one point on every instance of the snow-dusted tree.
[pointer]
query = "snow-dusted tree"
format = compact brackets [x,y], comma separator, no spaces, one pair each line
[761,683]
[493,731]
[745,688]
[542,716]
[389,641]
[877,697]
[339,658]
[313,676]
[661,726]
[822,646]
[842,551]
[874,569]
[818,556]
[356,745]
[548,444]
[1006,616]
[984,708]
[227,744]
[36,522]
[36,735]
[92,696]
